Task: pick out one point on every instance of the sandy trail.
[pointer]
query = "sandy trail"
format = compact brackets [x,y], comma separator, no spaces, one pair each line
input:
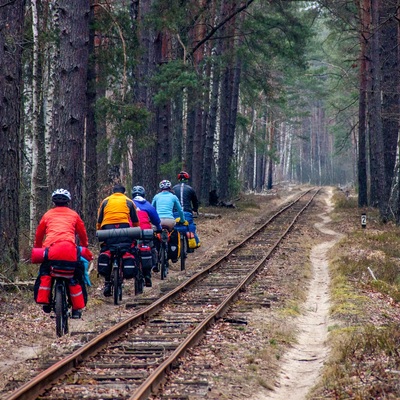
[302,364]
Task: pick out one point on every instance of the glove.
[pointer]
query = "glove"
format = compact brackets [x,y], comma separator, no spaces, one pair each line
[86,253]
[186,223]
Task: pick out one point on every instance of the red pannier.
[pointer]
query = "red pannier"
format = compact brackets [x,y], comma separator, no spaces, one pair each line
[129,264]
[76,296]
[145,255]
[103,263]
[63,250]
[42,289]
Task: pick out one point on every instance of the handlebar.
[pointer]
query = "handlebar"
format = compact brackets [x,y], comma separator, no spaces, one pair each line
[134,233]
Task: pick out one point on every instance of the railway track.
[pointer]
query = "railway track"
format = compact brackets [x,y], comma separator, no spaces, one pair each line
[132,359]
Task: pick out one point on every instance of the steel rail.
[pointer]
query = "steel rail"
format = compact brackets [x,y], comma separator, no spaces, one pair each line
[43,380]
[151,384]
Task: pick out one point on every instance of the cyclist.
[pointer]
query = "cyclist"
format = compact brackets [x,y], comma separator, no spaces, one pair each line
[188,200]
[57,232]
[147,215]
[165,202]
[115,211]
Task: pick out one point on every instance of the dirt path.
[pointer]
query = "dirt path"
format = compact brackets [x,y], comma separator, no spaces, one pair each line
[301,366]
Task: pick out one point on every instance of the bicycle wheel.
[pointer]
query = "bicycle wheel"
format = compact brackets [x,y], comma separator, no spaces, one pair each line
[139,282]
[116,283]
[183,255]
[61,309]
[163,260]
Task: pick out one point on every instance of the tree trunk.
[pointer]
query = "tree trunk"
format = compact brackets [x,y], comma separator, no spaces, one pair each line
[11,37]
[66,163]
[39,190]
[378,182]
[91,175]
[390,81]
[208,182]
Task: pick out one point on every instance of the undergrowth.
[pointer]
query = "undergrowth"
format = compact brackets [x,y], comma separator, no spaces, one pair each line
[365,339]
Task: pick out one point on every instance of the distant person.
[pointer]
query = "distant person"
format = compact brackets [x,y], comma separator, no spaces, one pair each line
[148,216]
[115,212]
[188,200]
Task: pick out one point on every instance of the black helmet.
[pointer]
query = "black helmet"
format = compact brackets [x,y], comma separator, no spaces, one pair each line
[118,188]
[138,191]
[61,196]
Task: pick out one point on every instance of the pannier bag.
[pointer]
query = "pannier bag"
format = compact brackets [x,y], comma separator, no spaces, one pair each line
[145,256]
[129,264]
[63,250]
[42,289]
[76,295]
[173,246]
[62,270]
[103,263]
[191,240]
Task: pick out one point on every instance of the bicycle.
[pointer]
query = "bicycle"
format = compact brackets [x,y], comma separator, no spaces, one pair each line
[182,230]
[117,272]
[60,300]
[162,261]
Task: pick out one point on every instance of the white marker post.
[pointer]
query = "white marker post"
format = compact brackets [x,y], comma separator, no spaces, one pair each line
[363,220]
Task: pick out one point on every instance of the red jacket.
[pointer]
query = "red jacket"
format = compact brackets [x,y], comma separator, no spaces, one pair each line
[60,224]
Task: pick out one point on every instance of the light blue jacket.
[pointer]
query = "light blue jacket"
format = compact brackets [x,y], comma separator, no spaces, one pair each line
[165,203]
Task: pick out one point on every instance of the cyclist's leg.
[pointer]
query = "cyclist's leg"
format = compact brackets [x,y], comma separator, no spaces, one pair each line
[192,227]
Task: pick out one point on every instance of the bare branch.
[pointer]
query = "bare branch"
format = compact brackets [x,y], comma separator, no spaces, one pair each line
[215,29]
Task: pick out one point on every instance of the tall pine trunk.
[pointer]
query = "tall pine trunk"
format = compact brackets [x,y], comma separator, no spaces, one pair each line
[11,35]
[66,162]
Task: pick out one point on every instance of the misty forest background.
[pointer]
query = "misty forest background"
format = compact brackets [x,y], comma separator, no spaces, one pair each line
[241,94]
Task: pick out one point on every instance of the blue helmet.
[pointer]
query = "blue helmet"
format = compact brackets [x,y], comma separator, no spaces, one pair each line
[138,191]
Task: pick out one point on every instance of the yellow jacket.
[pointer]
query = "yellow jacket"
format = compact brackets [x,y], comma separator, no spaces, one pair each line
[117,209]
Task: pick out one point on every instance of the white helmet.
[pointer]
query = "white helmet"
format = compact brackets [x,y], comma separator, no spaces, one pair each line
[165,184]
[61,196]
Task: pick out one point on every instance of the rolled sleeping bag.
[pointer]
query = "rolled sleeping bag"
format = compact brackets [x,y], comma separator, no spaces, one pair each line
[133,232]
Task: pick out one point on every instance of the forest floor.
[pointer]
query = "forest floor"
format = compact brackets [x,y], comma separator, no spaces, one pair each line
[281,352]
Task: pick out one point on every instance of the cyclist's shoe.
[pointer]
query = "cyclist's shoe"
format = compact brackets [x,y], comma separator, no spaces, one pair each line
[107,289]
[47,308]
[76,314]
[156,269]
[147,281]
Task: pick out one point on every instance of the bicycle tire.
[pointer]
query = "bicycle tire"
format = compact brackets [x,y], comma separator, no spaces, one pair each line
[183,254]
[116,284]
[61,310]
[139,282]
[163,261]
